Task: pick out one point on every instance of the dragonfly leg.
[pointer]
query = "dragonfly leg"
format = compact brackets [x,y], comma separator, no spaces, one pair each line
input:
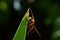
[37,31]
[30,29]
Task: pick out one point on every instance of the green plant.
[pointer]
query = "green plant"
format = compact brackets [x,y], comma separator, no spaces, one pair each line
[21,31]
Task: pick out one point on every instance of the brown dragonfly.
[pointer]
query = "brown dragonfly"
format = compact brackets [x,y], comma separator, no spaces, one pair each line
[31,24]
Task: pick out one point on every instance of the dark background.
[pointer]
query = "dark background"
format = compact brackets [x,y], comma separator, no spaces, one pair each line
[44,11]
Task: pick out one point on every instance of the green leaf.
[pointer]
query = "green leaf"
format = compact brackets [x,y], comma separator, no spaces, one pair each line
[21,31]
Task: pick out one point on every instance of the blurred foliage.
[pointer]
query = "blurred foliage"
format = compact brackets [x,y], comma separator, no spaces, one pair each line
[56,35]
[3,6]
[4,15]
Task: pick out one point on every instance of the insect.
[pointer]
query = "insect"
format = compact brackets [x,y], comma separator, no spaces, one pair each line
[31,24]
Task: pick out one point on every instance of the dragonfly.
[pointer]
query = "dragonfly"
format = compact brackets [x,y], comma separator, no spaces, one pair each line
[31,24]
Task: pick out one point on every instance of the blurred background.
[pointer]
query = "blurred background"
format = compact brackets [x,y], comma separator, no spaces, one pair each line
[46,13]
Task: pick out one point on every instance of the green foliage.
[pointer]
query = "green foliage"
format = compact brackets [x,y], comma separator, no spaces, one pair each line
[56,35]
[57,24]
[56,29]
[21,31]
[3,6]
